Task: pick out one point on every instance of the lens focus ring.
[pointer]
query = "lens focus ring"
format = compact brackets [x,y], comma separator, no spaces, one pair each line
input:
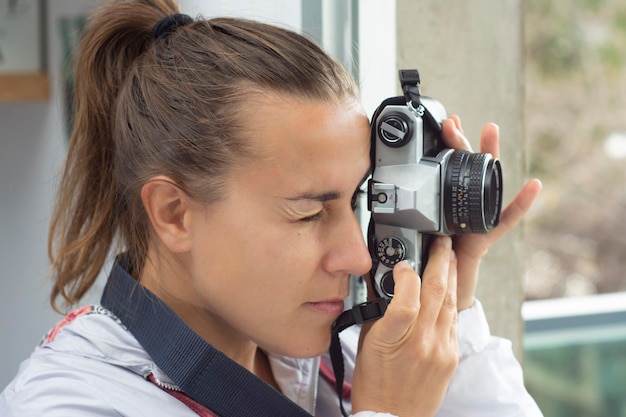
[475,195]
[472,192]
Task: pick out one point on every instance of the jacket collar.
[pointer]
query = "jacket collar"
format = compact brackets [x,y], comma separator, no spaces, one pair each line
[201,371]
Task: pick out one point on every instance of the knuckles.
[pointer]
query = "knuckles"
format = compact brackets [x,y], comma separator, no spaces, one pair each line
[450,303]
[441,358]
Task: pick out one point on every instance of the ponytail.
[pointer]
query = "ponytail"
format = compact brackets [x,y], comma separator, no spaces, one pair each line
[85,219]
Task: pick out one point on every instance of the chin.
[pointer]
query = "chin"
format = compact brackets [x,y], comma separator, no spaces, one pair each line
[302,347]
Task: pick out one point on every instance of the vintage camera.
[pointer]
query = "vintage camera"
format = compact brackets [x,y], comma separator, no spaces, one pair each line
[419,188]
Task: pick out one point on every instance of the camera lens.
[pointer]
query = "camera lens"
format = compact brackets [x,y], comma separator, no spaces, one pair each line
[472,193]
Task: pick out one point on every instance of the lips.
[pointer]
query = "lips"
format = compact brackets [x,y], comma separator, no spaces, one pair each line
[328,307]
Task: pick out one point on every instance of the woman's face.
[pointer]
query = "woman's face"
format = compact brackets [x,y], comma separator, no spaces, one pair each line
[271,261]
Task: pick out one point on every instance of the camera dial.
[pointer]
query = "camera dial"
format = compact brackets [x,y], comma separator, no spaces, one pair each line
[390,251]
[395,130]
[387,284]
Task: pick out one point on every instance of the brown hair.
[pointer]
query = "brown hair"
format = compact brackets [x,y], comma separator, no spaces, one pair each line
[146,106]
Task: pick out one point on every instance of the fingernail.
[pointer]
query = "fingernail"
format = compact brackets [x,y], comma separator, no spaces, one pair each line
[445,241]
[404,265]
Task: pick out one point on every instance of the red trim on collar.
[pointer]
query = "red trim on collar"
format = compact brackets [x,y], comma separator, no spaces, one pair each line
[67,320]
[196,407]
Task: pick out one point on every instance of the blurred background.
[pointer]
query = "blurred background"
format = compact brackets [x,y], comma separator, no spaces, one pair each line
[575,341]
[576,133]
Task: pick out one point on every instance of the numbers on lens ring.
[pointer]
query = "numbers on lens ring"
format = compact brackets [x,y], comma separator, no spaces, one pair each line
[390,251]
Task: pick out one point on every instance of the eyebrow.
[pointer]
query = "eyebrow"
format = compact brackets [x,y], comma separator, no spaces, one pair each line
[326,196]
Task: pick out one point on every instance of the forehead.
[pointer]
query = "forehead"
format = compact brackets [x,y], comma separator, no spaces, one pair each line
[308,144]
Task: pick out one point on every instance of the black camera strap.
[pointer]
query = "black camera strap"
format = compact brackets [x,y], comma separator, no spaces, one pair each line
[359,314]
[410,83]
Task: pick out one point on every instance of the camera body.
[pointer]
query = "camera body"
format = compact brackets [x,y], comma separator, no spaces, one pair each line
[419,188]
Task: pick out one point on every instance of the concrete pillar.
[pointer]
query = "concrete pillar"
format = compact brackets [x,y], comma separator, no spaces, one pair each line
[470,57]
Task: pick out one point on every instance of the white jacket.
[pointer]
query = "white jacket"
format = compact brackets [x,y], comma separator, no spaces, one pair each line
[92,365]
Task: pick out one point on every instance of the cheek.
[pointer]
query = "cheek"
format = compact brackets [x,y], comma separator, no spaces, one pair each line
[269,260]
[286,268]
[292,250]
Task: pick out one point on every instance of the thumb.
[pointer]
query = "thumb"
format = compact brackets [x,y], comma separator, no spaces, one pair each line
[403,308]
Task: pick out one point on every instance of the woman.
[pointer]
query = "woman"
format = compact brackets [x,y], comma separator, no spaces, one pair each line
[221,160]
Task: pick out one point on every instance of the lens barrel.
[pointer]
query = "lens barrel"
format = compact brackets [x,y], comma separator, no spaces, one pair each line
[472,193]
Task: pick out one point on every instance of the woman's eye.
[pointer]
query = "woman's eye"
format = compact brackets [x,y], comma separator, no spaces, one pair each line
[320,214]
[313,217]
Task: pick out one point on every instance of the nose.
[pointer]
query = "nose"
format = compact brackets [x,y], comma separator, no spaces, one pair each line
[347,251]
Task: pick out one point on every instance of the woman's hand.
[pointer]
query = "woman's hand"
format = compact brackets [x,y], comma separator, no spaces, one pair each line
[407,358]
[471,248]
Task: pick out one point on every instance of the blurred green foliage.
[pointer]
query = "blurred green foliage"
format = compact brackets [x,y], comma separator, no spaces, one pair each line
[576,100]
[563,36]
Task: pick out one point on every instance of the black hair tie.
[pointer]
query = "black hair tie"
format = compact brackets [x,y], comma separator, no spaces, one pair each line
[169,24]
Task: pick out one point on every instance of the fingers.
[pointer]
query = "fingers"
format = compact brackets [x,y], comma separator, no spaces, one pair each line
[516,209]
[490,140]
[452,134]
[457,121]
[405,306]
[431,302]
[437,296]
[449,310]
[409,355]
